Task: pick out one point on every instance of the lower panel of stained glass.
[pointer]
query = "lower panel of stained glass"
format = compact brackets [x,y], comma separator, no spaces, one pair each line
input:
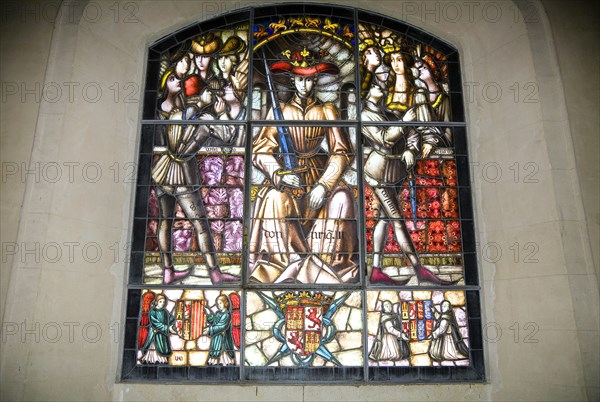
[396,266]
[192,266]
[303,329]
[296,375]
[193,327]
[418,328]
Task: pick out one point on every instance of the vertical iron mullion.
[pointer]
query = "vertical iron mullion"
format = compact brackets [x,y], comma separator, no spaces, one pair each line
[247,200]
[361,200]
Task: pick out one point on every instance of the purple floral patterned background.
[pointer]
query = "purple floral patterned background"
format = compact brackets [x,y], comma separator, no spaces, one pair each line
[222,180]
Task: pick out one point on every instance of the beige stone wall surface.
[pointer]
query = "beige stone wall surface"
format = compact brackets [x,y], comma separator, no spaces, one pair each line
[575,33]
[25,48]
[537,231]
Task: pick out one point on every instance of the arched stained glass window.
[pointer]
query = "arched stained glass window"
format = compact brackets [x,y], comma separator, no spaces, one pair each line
[303,211]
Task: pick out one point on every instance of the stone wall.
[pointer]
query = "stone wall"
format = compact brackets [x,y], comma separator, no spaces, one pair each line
[534,182]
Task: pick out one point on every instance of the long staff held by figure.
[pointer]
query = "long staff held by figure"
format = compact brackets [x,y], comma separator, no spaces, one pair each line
[412,187]
[286,146]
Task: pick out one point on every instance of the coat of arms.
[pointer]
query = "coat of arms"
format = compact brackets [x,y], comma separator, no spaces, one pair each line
[189,318]
[304,326]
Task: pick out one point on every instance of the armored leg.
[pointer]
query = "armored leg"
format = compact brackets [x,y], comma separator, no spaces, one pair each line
[166,208]
[193,207]
[389,202]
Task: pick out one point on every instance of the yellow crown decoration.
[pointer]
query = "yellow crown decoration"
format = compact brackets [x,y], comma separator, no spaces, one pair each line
[284,298]
[303,298]
[304,295]
[267,32]
[365,44]
[390,46]
[303,63]
[288,299]
[330,26]
[307,299]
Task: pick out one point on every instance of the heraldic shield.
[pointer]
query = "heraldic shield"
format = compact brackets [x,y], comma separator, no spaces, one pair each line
[304,326]
[189,318]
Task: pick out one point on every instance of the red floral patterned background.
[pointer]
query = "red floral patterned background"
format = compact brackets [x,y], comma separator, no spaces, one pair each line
[437,225]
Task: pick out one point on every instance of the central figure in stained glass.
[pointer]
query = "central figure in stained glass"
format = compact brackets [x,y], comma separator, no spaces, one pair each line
[304,227]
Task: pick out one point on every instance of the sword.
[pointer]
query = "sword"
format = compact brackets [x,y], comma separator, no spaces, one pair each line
[413,196]
[286,146]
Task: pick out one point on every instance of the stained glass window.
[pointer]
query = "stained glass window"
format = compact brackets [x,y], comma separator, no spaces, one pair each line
[303,208]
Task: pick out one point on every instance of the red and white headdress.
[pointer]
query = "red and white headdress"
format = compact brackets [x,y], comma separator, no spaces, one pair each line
[304,62]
